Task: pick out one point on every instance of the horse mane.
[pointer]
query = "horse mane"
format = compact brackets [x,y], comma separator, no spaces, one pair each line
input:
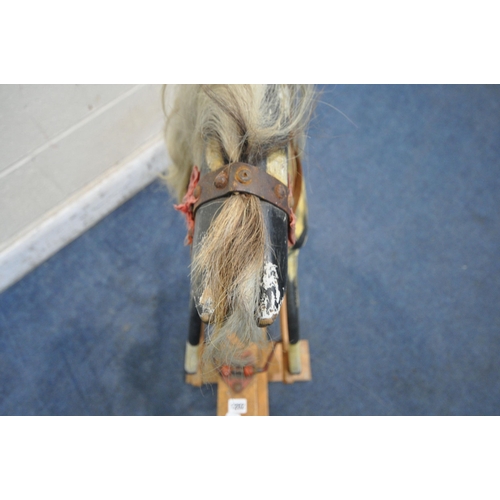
[235,123]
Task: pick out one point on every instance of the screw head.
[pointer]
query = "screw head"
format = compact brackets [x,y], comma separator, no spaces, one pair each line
[244,175]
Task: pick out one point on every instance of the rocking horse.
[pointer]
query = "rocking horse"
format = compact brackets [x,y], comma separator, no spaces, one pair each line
[237,173]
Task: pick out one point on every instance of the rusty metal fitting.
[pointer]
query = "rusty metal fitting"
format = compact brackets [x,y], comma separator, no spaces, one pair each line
[280,191]
[221,180]
[248,371]
[244,175]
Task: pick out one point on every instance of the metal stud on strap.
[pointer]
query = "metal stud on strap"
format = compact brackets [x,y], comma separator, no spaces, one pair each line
[241,178]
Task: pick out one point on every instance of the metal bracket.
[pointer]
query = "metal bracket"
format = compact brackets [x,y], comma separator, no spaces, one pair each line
[242,178]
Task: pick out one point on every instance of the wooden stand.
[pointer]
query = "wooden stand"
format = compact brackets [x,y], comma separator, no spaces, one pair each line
[256,392]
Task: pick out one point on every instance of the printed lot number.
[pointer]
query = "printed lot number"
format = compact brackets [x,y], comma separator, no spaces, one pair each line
[236,407]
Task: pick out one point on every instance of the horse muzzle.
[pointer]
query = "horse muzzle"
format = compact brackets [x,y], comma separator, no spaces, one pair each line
[213,189]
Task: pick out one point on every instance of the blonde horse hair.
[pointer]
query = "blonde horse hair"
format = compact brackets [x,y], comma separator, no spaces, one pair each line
[229,266]
[245,123]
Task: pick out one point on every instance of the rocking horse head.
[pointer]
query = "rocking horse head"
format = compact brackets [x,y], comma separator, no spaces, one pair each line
[236,167]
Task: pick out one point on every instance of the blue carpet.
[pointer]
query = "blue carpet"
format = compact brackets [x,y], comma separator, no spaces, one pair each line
[400,278]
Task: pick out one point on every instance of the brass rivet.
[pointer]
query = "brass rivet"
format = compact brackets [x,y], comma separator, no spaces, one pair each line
[244,175]
[221,180]
[197,191]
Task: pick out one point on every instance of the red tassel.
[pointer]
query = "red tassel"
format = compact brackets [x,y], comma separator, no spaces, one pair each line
[186,207]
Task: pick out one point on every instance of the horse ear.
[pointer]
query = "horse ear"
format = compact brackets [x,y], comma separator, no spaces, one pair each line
[206,214]
[274,274]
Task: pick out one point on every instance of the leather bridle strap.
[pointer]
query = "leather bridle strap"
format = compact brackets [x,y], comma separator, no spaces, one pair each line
[242,178]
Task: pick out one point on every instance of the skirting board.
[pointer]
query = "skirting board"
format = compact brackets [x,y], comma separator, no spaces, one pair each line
[81,211]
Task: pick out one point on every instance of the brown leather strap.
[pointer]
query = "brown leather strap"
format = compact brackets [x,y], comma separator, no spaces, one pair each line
[241,178]
[297,180]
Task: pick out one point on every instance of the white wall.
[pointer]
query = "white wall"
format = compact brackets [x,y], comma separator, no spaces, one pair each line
[59,146]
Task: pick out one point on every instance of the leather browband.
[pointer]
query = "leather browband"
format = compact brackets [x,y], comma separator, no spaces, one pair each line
[241,178]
